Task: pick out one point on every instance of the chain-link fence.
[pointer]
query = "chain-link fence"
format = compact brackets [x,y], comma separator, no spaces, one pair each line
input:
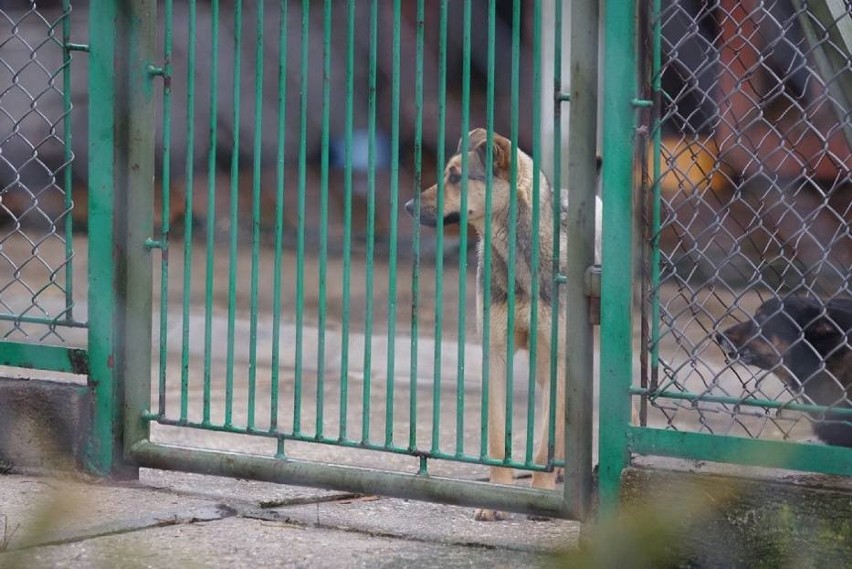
[35,171]
[748,317]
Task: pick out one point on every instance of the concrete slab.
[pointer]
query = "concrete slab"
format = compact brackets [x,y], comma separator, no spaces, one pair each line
[42,423]
[37,510]
[231,491]
[171,520]
[434,523]
[708,520]
[240,542]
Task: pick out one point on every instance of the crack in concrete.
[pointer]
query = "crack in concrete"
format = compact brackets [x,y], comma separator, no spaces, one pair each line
[156,520]
[283,518]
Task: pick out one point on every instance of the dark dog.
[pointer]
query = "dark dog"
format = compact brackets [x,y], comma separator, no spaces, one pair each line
[808,344]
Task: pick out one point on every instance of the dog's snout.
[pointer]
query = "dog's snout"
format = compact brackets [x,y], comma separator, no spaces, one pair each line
[726,344]
[410,207]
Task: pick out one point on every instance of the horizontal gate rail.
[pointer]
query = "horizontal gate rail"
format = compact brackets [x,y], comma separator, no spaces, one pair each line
[738,401]
[349,479]
[423,455]
[740,450]
[50,358]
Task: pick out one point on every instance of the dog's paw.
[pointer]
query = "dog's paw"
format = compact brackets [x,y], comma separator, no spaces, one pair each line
[483,515]
[539,518]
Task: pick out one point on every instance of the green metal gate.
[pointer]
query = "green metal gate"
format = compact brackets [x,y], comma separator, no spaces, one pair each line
[738,135]
[340,355]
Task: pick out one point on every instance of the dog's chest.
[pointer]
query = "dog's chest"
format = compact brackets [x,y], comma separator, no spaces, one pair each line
[496,277]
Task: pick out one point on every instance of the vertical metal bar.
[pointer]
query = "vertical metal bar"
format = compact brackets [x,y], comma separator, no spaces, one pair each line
[487,238]
[556,230]
[67,159]
[165,206]
[300,243]
[535,269]
[582,177]
[136,295]
[462,309]
[645,179]
[347,221]
[371,222]
[513,230]
[210,240]
[439,234]
[392,237]
[415,266]
[234,218]
[323,245]
[102,451]
[188,195]
[279,219]
[255,214]
[619,87]
[656,133]
[120,220]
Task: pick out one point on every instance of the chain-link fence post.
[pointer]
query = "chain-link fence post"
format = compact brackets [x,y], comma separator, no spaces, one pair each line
[616,352]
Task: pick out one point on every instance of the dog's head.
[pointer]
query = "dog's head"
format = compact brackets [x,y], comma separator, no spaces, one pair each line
[477,172]
[797,332]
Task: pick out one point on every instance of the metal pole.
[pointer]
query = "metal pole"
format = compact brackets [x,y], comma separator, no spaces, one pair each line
[136,188]
[101,452]
[581,182]
[616,355]
[120,189]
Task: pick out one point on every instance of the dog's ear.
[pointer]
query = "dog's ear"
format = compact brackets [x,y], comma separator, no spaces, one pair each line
[474,138]
[500,155]
[822,328]
[824,334]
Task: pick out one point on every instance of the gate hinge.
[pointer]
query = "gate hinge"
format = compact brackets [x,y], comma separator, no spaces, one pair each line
[592,284]
[70,46]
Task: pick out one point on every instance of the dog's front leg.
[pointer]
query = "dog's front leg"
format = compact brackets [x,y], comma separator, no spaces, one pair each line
[496,415]
[547,480]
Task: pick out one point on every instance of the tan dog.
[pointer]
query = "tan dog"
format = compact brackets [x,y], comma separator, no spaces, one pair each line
[500,221]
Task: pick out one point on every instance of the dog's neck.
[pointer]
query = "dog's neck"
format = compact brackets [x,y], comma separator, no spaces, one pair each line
[502,226]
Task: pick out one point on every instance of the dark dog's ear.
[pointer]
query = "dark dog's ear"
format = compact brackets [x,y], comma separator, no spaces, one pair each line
[822,329]
[825,335]
[598,162]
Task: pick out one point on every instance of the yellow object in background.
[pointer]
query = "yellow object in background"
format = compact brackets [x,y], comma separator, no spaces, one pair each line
[687,166]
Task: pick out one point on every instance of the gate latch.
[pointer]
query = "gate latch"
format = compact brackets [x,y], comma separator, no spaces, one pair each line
[592,284]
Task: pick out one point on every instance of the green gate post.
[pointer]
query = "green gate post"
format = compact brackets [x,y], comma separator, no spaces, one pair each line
[581,180]
[138,207]
[120,190]
[616,357]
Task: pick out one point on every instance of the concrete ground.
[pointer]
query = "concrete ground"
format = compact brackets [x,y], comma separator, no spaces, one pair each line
[168,519]
[184,520]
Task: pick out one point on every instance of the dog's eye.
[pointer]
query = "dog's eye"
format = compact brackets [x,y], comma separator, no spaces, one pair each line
[454,178]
